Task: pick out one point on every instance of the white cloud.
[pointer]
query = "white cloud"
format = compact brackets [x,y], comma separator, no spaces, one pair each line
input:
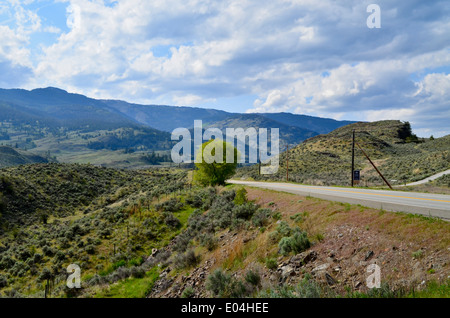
[314,57]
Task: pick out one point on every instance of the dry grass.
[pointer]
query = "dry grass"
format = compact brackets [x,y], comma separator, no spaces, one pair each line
[324,215]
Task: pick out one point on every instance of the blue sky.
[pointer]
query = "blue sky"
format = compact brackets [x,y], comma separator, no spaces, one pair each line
[302,56]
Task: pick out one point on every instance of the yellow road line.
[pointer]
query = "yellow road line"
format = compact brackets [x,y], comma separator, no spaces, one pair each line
[379,194]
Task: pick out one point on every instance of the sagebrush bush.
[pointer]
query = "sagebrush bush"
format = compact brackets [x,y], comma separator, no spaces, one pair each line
[271,263]
[171,220]
[296,243]
[253,277]
[182,242]
[137,272]
[209,241]
[171,205]
[308,288]
[261,217]
[3,281]
[283,229]
[188,292]
[186,260]
[223,285]
[244,211]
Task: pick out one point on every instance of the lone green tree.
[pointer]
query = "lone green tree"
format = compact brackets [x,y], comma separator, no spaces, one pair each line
[212,164]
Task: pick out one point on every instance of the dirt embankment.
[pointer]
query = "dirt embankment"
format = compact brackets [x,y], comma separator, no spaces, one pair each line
[410,251]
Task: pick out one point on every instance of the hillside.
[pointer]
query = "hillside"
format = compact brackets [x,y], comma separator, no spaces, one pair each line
[326,159]
[168,118]
[316,124]
[151,234]
[291,135]
[63,109]
[13,157]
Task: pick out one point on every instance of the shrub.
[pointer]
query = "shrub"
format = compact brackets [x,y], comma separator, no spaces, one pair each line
[188,292]
[297,218]
[261,217]
[308,288]
[300,241]
[24,254]
[37,258]
[119,274]
[271,263]
[209,241]
[223,285]
[6,262]
[2,205]
[296,243]
[244,211]
[60,256]
[253,277]
[3,281]
[182,242]
[171,205]
[277,216]
[137,272]
[46,274]
[90,249]
[217,282]
[241,196]
[171,220]
[186,260]
[48,251]
[283,229]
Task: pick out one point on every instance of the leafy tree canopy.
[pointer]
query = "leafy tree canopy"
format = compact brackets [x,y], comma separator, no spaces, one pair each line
[213,166]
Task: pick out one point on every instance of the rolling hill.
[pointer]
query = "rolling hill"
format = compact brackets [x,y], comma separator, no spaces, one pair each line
[316,124]
[291,135]
[326,159]
[14,157]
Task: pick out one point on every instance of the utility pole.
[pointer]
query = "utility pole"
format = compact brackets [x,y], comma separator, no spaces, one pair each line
[287,163]
[353,159]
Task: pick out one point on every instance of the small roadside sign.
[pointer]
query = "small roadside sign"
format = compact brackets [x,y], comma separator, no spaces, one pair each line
[357,175]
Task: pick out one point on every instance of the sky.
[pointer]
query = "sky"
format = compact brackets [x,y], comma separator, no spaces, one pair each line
[310,57]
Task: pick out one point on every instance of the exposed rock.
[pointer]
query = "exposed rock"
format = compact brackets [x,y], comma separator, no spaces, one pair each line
[320,268]
[303,258]
[287,271]
[154,252]
[330,280]
[368,255]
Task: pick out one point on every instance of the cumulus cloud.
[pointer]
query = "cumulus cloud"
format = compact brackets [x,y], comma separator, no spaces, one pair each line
[304,56]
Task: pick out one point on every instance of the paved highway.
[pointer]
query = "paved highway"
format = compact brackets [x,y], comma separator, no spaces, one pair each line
[437,205]
[436,176]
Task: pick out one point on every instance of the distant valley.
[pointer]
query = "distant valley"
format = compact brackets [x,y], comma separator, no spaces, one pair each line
[73,128]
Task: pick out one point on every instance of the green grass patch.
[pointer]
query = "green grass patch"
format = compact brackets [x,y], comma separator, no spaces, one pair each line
[433,290]
[132,287]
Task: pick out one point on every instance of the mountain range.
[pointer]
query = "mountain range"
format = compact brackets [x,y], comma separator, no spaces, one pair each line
[76,128]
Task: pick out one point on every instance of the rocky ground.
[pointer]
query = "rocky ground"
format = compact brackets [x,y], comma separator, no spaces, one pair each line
[409,251]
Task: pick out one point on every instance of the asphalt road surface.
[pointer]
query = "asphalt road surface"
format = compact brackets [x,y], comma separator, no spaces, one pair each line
[436,176]
[436,205]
